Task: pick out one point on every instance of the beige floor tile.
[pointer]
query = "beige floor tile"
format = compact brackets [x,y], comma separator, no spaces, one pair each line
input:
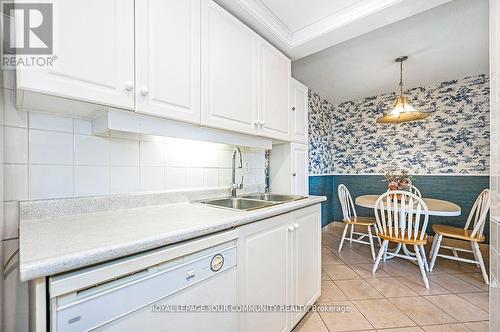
[417,285]
[351,320]
[403,329]
[446,266]
[458,327]
[480,299]
[365,271]
[352,257]
[475,279]
[478,326]
[330,292]
[358,289]
[391,287]
[422,311]
[383,314]
[341,272]
[328,259]
[458,308]
[311,322]
[324,275]
[398,268]
[453,284]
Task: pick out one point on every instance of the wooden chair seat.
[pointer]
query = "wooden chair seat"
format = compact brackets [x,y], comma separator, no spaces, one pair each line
[456,233]
[362,221]
[405,239]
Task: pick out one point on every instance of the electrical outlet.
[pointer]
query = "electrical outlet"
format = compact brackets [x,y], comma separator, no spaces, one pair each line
[246,167]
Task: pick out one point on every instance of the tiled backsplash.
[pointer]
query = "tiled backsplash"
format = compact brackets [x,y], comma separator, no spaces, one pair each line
[49,156]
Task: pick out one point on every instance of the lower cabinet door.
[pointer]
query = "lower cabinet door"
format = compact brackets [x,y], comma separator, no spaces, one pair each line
[306,258]
[264,272]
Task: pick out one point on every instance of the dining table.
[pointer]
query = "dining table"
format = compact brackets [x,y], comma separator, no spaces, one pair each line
[436,207]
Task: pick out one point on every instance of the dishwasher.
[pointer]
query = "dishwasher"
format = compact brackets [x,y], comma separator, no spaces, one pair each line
[186,293]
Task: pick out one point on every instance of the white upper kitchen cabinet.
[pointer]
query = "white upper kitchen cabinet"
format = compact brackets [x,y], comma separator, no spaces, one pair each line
[229,71]
[94,45]
[274,87]
[299,103]
[289,169]
[168,58]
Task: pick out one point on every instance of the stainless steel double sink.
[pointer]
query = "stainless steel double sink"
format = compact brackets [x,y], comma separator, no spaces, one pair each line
[250,202]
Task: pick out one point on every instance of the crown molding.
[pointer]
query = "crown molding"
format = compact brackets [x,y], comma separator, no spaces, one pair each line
[330,23]
[267,18]
[340,19]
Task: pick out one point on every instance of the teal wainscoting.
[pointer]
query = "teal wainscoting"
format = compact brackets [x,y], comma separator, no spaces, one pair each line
[462,190]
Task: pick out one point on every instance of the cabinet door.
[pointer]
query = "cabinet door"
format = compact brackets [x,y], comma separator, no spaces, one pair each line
[300,169]
[274,88]
[94,46]
[306,261]
[168,58]
[299,106]
[229,71]
[263,267]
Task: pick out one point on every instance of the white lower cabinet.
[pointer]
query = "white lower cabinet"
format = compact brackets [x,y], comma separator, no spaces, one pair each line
[306,258]
[279,264]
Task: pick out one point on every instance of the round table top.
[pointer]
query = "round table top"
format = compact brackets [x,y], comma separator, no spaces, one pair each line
[437,207]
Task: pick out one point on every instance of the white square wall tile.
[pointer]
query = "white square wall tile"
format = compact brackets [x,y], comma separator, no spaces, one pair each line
[175,178]
[175,155]
[50,181]
[13,116]
[124,179]
[124,152]
[224,177]
[92,180]
[152,178]
[16,145]
[225,158]
[152,153]
[210,177]
[210,157]
[50,147]
[50,122]
[15,182]
[11,211]
[194,177]
[91,150]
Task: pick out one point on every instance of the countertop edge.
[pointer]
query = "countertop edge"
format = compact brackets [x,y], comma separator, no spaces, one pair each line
[65,263]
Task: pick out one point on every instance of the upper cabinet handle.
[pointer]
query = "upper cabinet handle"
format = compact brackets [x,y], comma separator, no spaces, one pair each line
[293,108]
[129,86]
[144,92]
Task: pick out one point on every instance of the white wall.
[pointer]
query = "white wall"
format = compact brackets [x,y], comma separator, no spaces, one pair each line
[49,156]
[495,165]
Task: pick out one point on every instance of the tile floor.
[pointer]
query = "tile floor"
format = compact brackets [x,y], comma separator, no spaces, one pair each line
[394,299]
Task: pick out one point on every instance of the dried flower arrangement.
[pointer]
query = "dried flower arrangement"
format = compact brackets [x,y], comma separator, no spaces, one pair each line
[397,179]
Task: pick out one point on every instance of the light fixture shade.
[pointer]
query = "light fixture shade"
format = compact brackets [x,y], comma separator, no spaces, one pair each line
[402,112]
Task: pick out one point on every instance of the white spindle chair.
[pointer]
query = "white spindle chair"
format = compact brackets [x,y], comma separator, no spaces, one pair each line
[414,190]
[402,220]
[351,218]
[478,213]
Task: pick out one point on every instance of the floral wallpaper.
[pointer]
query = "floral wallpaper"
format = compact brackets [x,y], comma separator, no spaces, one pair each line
[344,138]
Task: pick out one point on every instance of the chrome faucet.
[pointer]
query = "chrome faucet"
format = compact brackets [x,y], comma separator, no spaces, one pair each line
[234,185]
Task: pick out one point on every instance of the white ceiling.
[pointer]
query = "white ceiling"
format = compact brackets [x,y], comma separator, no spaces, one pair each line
[444,43]
[303,27]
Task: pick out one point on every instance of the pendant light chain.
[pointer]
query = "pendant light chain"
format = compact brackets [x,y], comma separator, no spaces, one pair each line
[401,79]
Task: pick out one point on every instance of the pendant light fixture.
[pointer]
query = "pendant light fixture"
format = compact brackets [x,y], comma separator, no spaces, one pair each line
[403,111]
